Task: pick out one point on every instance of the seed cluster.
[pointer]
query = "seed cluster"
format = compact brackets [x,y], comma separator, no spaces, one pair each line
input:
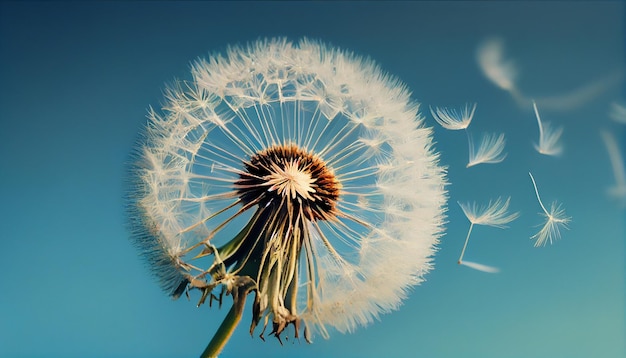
[287,174]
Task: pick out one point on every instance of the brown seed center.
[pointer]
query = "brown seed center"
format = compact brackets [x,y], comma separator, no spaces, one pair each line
[287,175]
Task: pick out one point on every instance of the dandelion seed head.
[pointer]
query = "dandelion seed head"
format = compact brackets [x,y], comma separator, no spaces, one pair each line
[303,167]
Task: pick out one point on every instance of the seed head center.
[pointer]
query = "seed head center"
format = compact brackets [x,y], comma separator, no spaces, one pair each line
[286,175]
[291,180]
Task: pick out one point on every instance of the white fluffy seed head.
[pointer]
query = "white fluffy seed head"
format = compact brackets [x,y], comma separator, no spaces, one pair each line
[360,121]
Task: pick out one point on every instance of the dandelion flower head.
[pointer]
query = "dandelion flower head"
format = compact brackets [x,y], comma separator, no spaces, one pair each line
[301,167]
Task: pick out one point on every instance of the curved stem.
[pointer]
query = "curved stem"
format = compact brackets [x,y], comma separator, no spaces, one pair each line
[223,333]
[537,192]
[465,245]
[226,329]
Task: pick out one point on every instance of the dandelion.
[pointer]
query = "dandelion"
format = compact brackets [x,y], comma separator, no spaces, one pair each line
[494,214]
[555,219]
[617,163]
[548,137]
[297,172]
[453,120]
[489,151]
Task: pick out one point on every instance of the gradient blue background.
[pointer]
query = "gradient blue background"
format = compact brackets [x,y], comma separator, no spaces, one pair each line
[76,80]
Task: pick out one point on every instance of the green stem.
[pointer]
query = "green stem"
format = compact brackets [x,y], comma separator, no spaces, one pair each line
[243,286]
[223,333]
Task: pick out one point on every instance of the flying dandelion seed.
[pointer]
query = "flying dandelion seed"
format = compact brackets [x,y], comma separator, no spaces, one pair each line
[555,219]
[548,137]
[297,172]
[503,72]
[618,191]
[494,214]
[490,150]
[453,120]
[491,147]
[618,113]
[580,95]
[491,60]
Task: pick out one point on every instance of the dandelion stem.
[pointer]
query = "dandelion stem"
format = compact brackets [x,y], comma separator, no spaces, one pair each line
[243,286]
[537,192]
[224,332]
[465,245]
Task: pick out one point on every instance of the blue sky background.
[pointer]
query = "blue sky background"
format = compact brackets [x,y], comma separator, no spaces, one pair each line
[76,80]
